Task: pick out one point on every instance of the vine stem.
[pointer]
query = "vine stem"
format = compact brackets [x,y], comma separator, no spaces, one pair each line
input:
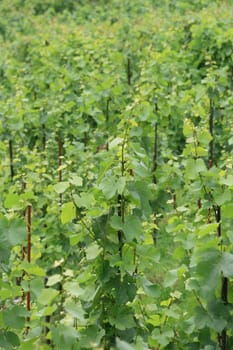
[121,199]
[11,159]
[154,168]
[29,223]
[47,318]
[211,130]
[202,306]
[222,337]
[199,203]
[121,207]
[43,137]
[107,122]
[60,164]
[129,71]
[155,152]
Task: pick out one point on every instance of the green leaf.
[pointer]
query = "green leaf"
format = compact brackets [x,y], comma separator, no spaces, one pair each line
[227,265]
[194,167]
[9,340]
[145,111]
[155,320]
[151,289]
[85,293]
[12,201]
[122,345]
[191,284]
[29,344]
[132,228]
[201,151]
[72,288]
[46,311]
[76,180]
[4,344]
[68,212]
[90,337]
[17,232]
[207,229]
[75,239]
[227,211]
[224,197]
[164,336]
[171,278]
[12,232]
[15,317]
[219,324]
[202,319]
[115,142]
[47,296]
[13,339]
[54,280]
[140,169]
[228,181]
[148,253]
[75,310]
[121,184]
[128,258]
[190,169]
[85,200]
[32,269]
[208,270]
[188,128]
[204,137]
[64,336]
[92,251]
[108,186]
[61,187]
[116,222]
[200,166]
[122,319]
[36,286]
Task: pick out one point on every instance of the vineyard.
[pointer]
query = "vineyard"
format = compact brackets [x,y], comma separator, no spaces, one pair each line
[116,175]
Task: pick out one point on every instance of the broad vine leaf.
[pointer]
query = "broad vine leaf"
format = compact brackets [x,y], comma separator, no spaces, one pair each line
[61,187]
[132,228]
[12,201]
[227,265]
[68,212]
[76,180]
[54,280]
[47,296]
[123,345]
[92,251]
[85,200]
[108,186]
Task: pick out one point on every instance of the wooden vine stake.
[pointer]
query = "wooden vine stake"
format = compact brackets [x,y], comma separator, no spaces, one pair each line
[47,318]
[121,202]
[29,224]
[222,337]
[43,137]
[155,151]
[60,165]
[26,253]
[107,122]
[11,159]
[211,130]
[24,249]
[121,199]
[154,168]
[129,71]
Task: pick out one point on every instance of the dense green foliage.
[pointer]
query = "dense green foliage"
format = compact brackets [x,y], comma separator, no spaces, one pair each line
[116,178]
